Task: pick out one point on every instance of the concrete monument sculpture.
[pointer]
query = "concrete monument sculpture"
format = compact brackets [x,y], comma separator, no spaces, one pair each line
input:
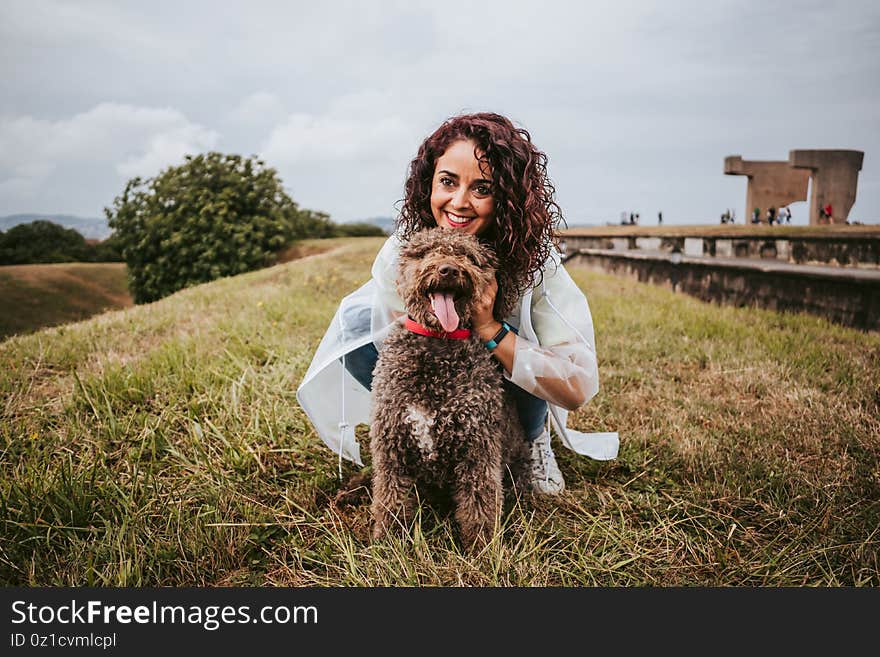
[834,175]
[771,184]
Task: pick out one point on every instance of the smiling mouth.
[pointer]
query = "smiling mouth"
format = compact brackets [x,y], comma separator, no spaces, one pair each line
[456,220]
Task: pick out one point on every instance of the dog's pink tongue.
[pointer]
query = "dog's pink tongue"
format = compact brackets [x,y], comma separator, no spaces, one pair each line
[445,311]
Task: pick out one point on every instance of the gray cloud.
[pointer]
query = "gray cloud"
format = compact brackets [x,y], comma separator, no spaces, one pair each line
[635,103]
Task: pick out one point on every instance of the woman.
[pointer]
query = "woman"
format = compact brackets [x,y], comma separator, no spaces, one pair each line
[479,174]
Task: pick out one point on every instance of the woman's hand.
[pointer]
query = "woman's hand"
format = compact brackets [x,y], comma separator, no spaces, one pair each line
[483,317]
[486,326]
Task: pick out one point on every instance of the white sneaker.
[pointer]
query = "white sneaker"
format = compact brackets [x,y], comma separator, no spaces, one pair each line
[546,477]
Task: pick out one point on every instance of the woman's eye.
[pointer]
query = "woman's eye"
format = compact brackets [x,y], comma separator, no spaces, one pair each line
[446,181]
[483,190]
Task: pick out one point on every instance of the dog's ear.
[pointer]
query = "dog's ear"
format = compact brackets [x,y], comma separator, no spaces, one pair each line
[507,298]
[489,258]
[482,255]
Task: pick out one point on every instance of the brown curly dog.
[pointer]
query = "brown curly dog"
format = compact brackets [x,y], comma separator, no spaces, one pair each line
[441,421]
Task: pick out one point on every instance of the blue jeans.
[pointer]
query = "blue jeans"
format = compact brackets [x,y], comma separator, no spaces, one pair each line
[532,410]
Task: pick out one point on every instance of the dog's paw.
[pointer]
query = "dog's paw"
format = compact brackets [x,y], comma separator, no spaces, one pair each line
[387,524]
[475,538]
[379,531]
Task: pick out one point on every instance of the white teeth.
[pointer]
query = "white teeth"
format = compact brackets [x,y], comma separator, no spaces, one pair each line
[454,218]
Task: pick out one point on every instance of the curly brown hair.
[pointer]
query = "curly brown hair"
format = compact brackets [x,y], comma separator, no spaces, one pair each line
[527,217]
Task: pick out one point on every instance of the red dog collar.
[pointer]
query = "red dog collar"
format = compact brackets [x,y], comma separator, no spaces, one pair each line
[457,334]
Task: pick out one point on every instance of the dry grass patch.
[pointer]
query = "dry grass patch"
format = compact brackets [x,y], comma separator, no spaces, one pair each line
[163,445]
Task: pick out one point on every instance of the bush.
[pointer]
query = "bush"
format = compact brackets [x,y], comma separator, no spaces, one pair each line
[360,229]
[317,224]
[41,242]
[216,215]
[109,250]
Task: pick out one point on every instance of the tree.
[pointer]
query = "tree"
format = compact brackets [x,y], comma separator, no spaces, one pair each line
[316,224]
[108,250]
[41,242]
[216,215]
[359,229]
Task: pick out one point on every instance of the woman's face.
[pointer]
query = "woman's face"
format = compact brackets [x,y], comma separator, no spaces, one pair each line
[461,194]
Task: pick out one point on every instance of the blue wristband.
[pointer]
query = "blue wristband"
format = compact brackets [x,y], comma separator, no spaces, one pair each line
[505,327]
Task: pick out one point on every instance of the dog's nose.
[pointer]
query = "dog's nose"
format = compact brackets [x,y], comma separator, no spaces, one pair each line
[447,270]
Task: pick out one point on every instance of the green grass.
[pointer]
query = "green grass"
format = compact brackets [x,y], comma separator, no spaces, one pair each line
[35,296]
[163,445]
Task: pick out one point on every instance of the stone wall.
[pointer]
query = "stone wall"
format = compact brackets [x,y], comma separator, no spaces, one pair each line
[862,252]
[840,296]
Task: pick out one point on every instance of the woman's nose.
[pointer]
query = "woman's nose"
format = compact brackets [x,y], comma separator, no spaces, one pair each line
[461,198]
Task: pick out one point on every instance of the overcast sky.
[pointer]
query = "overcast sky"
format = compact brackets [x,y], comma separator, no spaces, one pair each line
[635,103]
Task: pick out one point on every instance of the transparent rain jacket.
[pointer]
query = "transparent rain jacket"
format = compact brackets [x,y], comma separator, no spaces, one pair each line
[555,352]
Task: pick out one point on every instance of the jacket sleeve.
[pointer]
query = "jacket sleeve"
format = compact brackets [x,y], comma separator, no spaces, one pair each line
[562,367]
[384,273]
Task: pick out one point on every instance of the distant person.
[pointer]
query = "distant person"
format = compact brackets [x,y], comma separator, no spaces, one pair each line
[787,215]
[771,215]
[733,216]
[829,213]
[660,218]
[756,216]
[637,218]
[632,219]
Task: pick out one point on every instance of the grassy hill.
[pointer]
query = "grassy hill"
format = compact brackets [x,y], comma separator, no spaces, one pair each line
[163,445]
[36,296]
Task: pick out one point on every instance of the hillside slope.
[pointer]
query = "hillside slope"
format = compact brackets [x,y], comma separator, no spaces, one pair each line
[33,297]
[162,445]
[36,296]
